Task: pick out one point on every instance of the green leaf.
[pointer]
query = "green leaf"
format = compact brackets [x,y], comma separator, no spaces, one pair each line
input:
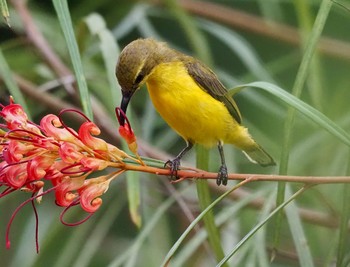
[298,87]
[110,51]
[308,111]
[204,200]
[195,37]
[238,45]
[134,197]
[64,18]
[225,216]
[344,224]
[7,76]
[296,228]
[5,11]
[185,233]
[259,225]
[129,253]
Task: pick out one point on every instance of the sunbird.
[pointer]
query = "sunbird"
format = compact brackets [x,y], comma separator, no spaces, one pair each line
[189,97]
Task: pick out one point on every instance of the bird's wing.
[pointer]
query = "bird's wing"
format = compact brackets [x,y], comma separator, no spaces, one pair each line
[210,83]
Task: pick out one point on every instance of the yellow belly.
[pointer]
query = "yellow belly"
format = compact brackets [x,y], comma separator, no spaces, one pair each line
[190,111]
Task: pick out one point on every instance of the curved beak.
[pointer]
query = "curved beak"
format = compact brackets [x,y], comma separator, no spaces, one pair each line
[124,105]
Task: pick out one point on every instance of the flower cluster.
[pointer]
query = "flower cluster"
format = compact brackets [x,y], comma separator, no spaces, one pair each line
[57,158]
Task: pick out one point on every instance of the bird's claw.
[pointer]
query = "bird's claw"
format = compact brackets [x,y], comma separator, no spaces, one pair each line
[174,166]
[222,176]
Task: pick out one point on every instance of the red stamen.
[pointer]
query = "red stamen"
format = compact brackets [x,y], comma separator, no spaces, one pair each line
[8,243]
[7,191]
[74,111]
[120,113]
[36,226]
[74,203]
[66,171]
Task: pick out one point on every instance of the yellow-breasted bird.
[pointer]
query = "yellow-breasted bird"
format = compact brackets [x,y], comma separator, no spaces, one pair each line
[189,97]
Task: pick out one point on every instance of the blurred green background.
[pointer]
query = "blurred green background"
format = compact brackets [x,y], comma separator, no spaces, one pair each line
[242,41]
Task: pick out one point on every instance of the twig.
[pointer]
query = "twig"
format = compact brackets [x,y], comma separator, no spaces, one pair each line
[249,22]
[184,174]
[38,40]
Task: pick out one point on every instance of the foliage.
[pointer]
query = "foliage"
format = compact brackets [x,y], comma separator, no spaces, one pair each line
[300,46]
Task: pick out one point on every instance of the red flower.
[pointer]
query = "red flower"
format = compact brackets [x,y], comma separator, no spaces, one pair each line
[33,157]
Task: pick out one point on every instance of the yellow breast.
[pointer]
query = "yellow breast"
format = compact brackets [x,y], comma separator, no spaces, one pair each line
[189,110]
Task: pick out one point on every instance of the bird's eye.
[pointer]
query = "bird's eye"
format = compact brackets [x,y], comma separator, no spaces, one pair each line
[139,78]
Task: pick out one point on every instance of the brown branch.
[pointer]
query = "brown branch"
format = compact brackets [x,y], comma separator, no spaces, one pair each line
[37,39]
[192,173]
[248,22]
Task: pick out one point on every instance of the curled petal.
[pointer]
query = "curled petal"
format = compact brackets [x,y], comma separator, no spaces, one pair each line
[15,151]
[70,153]
[14,115]
[90,199]
[51,126]
[37,167]
[16,175]
[86,132]
[64,191]
[48,143]
[116,154]
[94,164]
[3,166]
[127,133]
[54,171]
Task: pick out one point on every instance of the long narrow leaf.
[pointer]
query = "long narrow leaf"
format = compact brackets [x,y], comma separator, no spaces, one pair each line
[298,87]
[224,216]
[9,81]
[305,109]
[5,11]
[64,18]
[204,200]
[109,51]
[133,249]
[259,225]
[344,228]
[296,228]
[195,221]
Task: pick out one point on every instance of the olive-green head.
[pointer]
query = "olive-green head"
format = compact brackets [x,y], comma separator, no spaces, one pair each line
[135,64]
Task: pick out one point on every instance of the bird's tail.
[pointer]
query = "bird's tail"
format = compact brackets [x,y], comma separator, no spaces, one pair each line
[256,154]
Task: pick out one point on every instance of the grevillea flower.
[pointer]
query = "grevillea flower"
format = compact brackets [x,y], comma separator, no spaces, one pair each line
[54,157]
[127,133]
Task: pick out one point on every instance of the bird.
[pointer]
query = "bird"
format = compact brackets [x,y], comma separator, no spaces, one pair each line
[189,97]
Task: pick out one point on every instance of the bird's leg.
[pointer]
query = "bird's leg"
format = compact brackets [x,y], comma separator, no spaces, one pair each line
[174,164]
[222,174]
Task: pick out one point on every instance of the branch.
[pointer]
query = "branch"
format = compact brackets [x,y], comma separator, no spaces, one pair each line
[193,173]
[245,21]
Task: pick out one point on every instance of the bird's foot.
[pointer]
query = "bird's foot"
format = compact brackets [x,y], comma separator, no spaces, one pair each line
[222,175]
[174,166]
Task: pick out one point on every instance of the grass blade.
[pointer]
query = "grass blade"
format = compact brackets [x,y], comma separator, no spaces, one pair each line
[308,111]
[195,36]
[64,18]
[194,222]
[204,200]
[10,83]
[299,83]
[296,228]
[5,11]
[110,51]
[133,250]
[223,217]
[259,225]
[344,227]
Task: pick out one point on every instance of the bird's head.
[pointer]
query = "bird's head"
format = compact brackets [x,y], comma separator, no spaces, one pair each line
[135,64]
